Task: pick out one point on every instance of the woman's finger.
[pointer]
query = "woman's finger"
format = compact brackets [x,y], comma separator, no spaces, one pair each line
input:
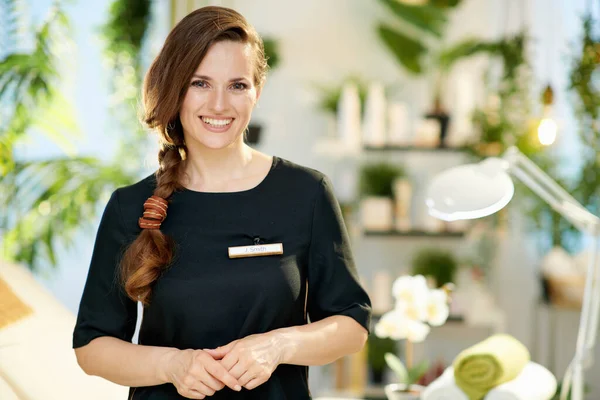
[202,388]
[254,383]
[238,370]
[218,371]
[246,378]
[213,383]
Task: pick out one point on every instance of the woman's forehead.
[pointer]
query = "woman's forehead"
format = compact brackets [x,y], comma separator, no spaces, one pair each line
[227,60]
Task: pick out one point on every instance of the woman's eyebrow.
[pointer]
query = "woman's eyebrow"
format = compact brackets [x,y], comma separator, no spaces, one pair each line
[208,78]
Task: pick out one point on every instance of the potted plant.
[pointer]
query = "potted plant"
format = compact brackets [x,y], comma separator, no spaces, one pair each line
[376,186]
[417,307]
[406,388]
[436,264]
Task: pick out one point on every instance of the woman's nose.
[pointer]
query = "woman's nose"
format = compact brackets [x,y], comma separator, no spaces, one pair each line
[218,100]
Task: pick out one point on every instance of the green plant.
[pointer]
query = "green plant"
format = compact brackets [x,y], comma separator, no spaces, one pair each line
[271,52]
[406,376]
[416,26]
[439,264]
[376,349]
[45,203]
[377,179]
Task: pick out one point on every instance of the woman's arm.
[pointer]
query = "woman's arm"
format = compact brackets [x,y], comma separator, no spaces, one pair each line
[321,342]
[124,363]
[129,364]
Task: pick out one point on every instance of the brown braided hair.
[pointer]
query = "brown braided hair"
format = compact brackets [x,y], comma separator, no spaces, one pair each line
[165,87]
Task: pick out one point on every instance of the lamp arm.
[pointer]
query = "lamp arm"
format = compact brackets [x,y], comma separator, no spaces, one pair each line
[544,186]
[561,201]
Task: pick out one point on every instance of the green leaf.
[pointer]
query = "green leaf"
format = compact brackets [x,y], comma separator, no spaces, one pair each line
[398,367]
[414,374]
[444,3]
[428,19]
[466,48]
[408,52]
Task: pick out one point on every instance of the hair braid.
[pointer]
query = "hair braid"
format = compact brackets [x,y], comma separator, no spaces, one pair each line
[152,251]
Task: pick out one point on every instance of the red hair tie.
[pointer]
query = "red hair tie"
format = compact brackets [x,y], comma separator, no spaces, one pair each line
[155,212]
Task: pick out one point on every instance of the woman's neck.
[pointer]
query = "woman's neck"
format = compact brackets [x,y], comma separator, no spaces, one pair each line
[209,169]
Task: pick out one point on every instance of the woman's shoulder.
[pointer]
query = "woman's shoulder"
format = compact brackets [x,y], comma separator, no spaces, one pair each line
[130,199]
[138,191]
[297,174]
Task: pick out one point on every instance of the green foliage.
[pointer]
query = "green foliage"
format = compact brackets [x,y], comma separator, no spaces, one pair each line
[585,86]
[406,376]
[47,202]
[418,30]
[377,179]
[126,26]
[123,34]
[50,201]
[437,263]
[376,349]
[408,51]
[271,52]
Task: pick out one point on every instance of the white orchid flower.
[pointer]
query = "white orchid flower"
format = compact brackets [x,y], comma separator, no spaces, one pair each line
[417,331]
[393,325]
[414,310]
[437,307]
[410,289]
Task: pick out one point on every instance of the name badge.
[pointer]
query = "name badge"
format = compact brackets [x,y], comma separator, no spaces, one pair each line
[256,250]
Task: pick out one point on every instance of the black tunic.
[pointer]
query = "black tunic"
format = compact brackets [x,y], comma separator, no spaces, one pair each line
[205,299]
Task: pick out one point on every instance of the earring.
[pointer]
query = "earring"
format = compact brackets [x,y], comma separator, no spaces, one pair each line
[170,126]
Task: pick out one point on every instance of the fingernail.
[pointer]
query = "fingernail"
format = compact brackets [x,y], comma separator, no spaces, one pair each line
[238,388]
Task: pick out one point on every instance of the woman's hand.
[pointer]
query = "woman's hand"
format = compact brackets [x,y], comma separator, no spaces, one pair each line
[196,374]
[250,360]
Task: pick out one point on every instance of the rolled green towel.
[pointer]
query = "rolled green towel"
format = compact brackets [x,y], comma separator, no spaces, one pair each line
[482,367]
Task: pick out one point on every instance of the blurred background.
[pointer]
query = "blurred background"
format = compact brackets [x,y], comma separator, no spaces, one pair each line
[381,95]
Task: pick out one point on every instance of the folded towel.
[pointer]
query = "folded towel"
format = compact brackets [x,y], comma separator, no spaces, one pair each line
[533,383]
[492,362]
[444,388]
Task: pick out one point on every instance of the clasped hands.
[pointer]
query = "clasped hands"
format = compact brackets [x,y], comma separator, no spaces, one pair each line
[247,363]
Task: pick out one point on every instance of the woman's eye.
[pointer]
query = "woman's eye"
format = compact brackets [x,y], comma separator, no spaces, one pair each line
[239,86]
[200,84]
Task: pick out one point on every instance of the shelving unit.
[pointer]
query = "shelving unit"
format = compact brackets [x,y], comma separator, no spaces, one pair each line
[413,148]
[415,234]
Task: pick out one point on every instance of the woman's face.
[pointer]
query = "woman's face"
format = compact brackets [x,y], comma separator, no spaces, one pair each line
[221,96]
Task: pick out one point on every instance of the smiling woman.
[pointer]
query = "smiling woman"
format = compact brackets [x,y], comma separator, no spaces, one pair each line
[218,321]
[221,96]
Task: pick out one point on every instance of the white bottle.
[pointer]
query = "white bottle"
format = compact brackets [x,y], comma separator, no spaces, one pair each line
[349,118]
[375,116]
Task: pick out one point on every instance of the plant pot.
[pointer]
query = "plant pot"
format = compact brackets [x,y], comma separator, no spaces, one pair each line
[377,213]
[397,391]
[253,135]
[443,120]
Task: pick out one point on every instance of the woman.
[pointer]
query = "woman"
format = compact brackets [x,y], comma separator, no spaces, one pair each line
[252,247]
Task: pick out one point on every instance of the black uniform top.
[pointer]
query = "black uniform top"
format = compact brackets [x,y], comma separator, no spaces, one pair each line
[205,299]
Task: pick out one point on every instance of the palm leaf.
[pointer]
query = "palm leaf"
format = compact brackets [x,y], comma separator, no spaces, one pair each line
[62,198]
[408,51]
[428,19]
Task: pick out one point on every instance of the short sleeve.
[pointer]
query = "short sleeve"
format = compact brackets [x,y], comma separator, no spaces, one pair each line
[333,286]
[105,309]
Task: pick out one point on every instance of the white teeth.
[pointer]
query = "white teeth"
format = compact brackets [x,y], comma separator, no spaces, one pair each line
[217,122]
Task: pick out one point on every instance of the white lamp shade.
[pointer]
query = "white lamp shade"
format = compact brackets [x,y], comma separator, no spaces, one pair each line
[470,191]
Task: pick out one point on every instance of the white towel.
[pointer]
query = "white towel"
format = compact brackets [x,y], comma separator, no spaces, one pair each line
[444,388]
[533,383]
